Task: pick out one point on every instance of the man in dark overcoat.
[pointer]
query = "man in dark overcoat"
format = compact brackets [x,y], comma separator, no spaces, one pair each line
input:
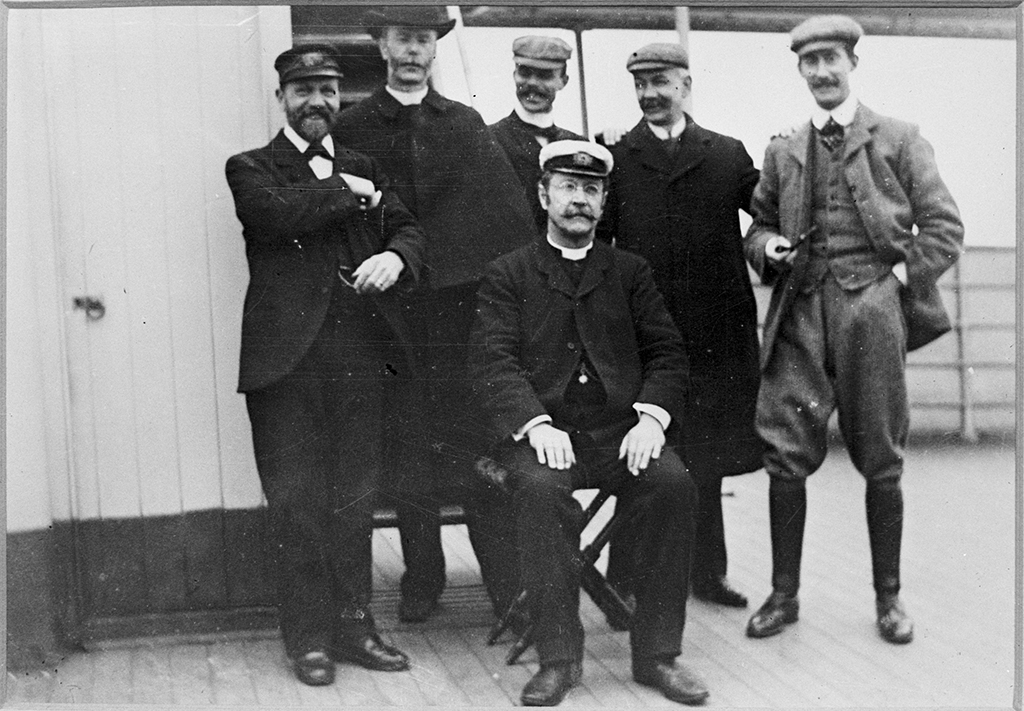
[853,227]
[448,170]
[675,198]
[328,244]
[540,73]
[580,368]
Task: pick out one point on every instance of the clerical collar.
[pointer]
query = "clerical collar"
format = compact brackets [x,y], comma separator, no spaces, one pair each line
[573,254]
[408,98]
[842,114]
[302,144]
[664,134]
[538,120]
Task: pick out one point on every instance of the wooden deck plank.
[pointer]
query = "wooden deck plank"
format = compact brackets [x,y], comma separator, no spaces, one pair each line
[151,680]
[73,680]
[959,577]
[476,685]
[271,678]
[191,674]
[232,679]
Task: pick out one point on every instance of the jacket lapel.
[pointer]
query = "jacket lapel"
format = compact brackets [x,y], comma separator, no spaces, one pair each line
[864,122]
[598,262]
[546,259]
[287,157]
[648,148]
[693,149]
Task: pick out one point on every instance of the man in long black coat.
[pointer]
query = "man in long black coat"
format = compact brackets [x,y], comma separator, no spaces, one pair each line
[675,198]
[540,73]
[448,170]
[580,368]
[328,245]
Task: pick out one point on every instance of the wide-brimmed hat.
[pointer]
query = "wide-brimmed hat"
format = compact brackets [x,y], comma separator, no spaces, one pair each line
[428,17]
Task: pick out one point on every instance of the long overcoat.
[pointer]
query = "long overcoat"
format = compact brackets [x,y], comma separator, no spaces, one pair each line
[452,175]
[681,213]
[294,226]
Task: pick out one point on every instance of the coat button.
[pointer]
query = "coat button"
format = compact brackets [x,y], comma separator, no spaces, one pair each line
[571,346]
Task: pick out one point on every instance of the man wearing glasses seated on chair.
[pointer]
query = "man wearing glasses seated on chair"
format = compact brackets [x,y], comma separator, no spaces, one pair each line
[578,365]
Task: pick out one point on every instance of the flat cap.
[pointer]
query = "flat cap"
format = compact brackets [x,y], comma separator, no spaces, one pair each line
[660,55]
[541,52]
[825,28]
[425,17]
[308,60]
[577,158]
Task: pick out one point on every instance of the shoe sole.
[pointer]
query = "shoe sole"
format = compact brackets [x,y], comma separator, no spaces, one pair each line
[366,664]
[692,700]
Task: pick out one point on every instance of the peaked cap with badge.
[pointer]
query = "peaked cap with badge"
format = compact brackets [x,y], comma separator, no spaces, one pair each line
[306,61]
[577,158]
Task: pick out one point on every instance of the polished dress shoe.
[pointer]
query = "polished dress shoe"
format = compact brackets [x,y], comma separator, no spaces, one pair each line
[718,591]
[893,622]
[314,668]
[416,609]
[777,611]
[672,679]
[550,685]
[371,652]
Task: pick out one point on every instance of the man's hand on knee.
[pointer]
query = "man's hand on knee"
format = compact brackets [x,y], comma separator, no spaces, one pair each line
[642,443]
[552,446]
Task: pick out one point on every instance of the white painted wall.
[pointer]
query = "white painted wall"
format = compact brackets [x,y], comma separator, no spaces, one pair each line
[120,121]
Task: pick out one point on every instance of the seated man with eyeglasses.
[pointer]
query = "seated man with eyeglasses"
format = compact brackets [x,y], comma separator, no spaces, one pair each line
[579,367]
[328,245]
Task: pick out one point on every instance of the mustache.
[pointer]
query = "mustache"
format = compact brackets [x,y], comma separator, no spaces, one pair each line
[579,213]
[648,104]
[528,89]
[315,113]
[822,83]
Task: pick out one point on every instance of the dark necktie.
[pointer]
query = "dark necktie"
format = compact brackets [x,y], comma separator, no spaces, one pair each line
[831,134]
[550,132]
[317,149]
[671,145]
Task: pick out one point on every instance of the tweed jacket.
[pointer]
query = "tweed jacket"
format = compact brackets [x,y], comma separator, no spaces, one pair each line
[516,138]
[905,207]
[294,225]
[681,213]
[451,174]
[532,326]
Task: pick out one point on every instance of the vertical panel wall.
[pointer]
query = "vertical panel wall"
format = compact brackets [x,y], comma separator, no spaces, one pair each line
[128,433]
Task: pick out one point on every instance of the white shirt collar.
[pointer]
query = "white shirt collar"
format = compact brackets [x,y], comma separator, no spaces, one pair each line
[665,133]
[843,114]
[538,120]
[408,98]
[302,144]
[573,254]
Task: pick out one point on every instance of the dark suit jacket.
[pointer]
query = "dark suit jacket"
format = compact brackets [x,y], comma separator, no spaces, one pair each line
[681,213]
[451,173]
[896,185]
[516,138]
[523,349]
[294,226]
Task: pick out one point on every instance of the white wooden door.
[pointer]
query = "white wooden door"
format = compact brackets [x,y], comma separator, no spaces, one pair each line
[142,106]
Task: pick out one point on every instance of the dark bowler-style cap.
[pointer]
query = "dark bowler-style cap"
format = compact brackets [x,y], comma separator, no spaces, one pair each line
[577,157]
[541,52]
[825,28]
[660,55]
[425,17]
[308,60]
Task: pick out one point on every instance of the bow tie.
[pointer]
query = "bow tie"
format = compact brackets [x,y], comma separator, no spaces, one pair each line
[832,133]
[317,149]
